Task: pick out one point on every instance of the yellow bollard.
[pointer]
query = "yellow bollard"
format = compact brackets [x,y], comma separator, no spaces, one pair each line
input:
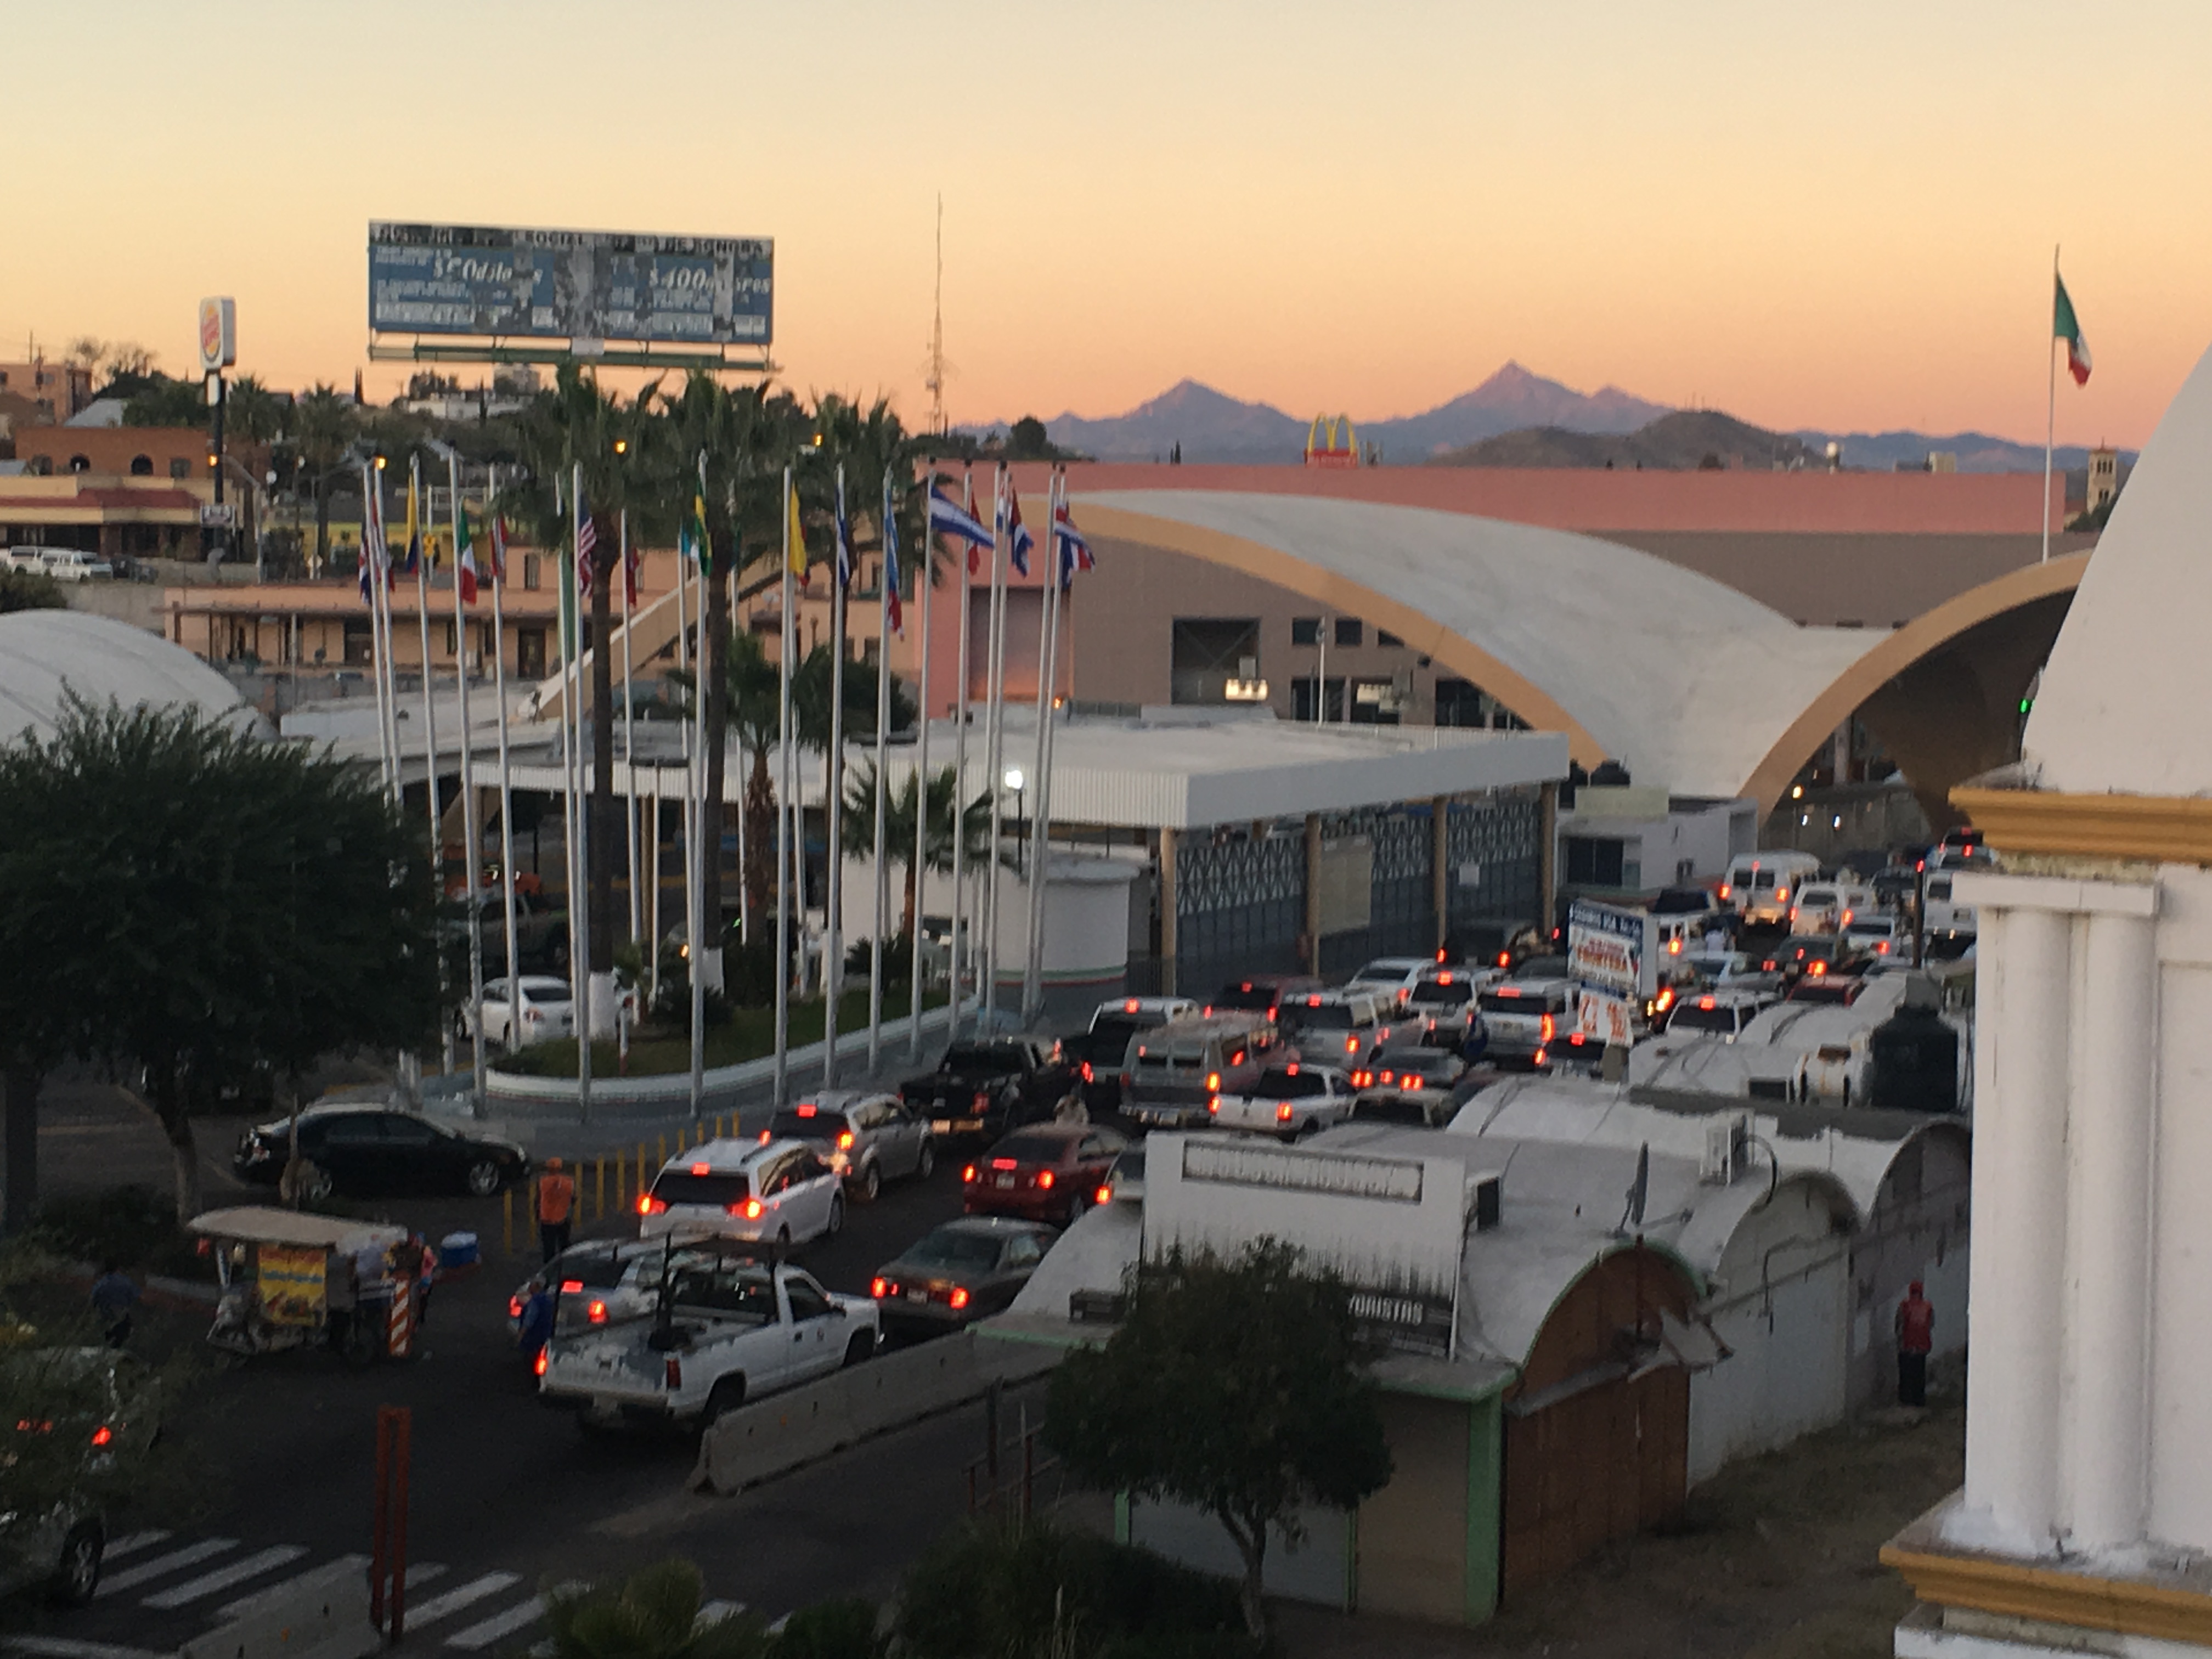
[507,1222]
[644,1181]
[661,1147]
[680,1134]
[599,1185]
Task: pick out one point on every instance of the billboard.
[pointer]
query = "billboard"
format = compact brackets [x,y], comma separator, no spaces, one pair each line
[570,285]
[1605,960]
[218,334]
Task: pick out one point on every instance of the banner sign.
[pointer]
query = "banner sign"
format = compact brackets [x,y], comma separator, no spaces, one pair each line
[581,285]
[1605,947]
[292,1283]
[1604,1017]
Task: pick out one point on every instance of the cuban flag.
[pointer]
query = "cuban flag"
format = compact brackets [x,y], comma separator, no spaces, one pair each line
[1022,543]
[896,611]
[948,518]
[844,568]
[1074,552]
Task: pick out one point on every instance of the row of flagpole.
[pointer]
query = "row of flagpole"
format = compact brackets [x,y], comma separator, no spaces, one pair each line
[1011,547]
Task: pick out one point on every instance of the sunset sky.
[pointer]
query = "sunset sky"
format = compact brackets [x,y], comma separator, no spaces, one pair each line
[1839,217]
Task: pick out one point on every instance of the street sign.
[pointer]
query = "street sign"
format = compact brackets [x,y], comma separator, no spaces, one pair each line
[218,334]
[218,515]
[578,285]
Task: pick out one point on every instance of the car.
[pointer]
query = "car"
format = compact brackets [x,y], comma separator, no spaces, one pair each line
[1169,1074]
[69,564]
[963,1271]
[361,1148]
[518,1013]
[1047,1172]
[1759,885]
[107,1406]
[784,1192]
[600,1282]
[1428,1108]
[1261,993]
[1411,1068]
[1096,1052]
[868,1137]
[25,558]
[1291,1100]
[990,1086]
[1828,906]
[1878,935]
[1125,1181]
[727,1329]
[1943,913]
[1817,954]
[1687,902]
[1443,1008]
[1837,990]
[1523,1017]
[1394,975]
[1721,1014]
[1342,1026]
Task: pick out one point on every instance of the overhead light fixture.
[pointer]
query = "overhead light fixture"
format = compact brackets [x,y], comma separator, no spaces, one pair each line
[1014,778]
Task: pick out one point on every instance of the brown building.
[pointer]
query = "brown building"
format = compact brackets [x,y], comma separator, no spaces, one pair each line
[55,390]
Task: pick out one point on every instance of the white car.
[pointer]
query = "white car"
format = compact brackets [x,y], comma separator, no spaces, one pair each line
[729,1330]
[1292,1101]
[1341,1027]
[536,1008]
[1721,1014]
[784,1193]
[1829,906]
[1394,975]
[69,564]
[1878,935]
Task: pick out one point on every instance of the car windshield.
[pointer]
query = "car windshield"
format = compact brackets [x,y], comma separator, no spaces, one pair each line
[805,1123]
[953,1247]
[1694,1018]
[1113,1029]
[993,1059]
[683,1187]
[1291,1082]
[1436,993]
[1825,990]
[545,990]
[1389,1109]
[1032,1149]
[1246,996]
[1870,929]
[1328,1016]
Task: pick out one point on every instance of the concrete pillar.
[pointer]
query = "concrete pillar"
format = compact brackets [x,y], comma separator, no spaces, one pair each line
[2019,1224]
[1547,879]
[1439,874]
[2106,1434]
[1313,894]
[1168,836]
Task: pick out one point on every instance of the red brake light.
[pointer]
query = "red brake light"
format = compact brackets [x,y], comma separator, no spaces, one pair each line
[1130,1007]
[1725,890]
[1412,1080]
[1086,1071]
[807,1109]
[1246,986]
[1543,1059]
[1283,1113]
[537,1365]
[1212,1081]
[1213,1103]
[1313,1002]
[1666,999]
[967,1173]
[514,1307]
[983,1099]
[1549,1026]
[596,1311]
[1104,1195]
[1505,958]
[1443,979]
[572,1287]
[879,1288]
[1673,947]
[1509,990]
[702,1169]
[1351,1045]
[1706,1002]
[763,1137]
[102,1434]
[1003,1163]
[1388,1077]
[959,1299]
[845,1141]
[1846,920]
[649,1204]
[1044,1179]
[1782,895]
[1441,957]
[1816,969]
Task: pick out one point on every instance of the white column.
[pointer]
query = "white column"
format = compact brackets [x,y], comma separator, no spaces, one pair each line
[2105,1433]
[2019,1226]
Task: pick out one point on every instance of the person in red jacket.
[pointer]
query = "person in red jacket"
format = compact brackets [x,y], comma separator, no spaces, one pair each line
[1916,1335]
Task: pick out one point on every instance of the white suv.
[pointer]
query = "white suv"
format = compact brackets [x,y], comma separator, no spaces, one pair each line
[785,1192]
[1396,976]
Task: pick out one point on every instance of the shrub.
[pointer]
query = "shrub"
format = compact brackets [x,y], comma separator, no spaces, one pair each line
[131,1225]
[830,1630]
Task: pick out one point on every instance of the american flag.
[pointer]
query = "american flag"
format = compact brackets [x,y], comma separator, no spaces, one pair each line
[587,541]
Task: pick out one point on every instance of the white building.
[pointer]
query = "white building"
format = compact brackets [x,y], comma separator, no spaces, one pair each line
[2085,1524]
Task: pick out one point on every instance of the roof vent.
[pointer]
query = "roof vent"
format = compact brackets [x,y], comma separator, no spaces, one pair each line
[1728,1149]
[1489,1194]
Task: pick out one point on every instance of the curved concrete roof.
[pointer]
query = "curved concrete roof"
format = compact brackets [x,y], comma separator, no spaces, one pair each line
[45,654]
[2121,706]
[1688,683]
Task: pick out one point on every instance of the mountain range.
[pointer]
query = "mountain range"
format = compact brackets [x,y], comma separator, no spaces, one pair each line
[1515,418]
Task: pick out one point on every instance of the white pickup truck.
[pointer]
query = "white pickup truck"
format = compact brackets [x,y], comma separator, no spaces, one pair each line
[1291,1100]
[727,1329]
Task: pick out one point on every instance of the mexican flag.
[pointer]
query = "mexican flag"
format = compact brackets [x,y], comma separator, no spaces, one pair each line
[466,570]
[2066,326]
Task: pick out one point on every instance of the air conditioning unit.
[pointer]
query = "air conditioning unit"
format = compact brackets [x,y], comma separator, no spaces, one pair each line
[1728,1149]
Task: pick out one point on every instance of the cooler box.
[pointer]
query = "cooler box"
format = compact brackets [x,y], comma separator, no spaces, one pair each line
[458,1250]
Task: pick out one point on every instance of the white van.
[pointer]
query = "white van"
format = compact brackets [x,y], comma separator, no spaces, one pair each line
[1829,906]
[1946,917]
[1761,885]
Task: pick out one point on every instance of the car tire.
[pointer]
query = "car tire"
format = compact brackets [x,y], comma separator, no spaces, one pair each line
[870,1183]
[724,1397]
[77,1575]
[482,1179]
[860,1349]
[925,1165]
[836,1223]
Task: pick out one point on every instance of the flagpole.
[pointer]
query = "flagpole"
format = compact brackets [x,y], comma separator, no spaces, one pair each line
[470,833]
[2051,407]
[695,875]
[783,835]
[887,535]
[375,555]
[994,744]
[922,584]
[833,809]
[581,913]
[419,524]
[506,784]
[629,740]
[1033,934]
[960,955]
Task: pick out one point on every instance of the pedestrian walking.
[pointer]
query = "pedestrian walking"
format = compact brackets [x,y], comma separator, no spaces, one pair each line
[1071,1107]
[114,1298]
[556,1199]
[1915,1336]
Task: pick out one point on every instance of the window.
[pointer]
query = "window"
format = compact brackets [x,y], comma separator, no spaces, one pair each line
[360,643]
[80,463]
[1386,639]
[142,467]
[354,1129]
[529,653]
[1022,1250]
[180,468]
[807,1302]
[533,576]
[1305,630]
[1348,630]
[451,645]
[1208,652]
[1594,861]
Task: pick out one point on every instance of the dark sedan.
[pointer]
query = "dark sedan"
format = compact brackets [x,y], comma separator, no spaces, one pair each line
[1047,1172]
[364,1150]
[966,1269]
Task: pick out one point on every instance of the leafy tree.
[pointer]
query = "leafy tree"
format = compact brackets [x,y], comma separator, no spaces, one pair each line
[155,399]
[323,430]
[1233,1387]
[859,825]
[30,590]
[1027,440]
[198,907]
[652,1614]
[251,411]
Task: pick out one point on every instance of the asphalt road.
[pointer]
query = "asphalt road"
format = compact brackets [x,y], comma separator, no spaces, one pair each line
[503,1489]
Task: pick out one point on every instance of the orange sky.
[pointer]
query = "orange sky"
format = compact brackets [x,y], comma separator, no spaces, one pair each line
[1837,216]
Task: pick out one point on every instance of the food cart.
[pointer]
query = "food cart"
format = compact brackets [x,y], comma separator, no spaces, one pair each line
[290,1279]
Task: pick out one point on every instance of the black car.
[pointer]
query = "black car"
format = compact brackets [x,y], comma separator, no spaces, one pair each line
[365,1149]
[987,1088]
[964,1270]
[1803,954]
[1263,994]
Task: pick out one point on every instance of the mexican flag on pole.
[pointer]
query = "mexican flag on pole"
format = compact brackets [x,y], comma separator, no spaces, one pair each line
[2068,328]
[465,566]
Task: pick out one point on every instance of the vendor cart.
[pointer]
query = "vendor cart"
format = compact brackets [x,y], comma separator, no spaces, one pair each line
[292,1279]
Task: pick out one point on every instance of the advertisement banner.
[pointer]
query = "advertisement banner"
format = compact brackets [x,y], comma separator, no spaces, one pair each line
[292,1283]
[1605,947]
[580,285]
[1604,1018]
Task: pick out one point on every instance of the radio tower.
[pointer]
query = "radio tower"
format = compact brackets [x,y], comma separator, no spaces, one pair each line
[935,381]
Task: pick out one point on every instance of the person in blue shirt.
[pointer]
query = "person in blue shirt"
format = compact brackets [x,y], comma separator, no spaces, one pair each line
[114,1298]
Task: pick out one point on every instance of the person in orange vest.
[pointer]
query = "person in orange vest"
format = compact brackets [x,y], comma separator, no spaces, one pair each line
[1916,1335]
[556,1198]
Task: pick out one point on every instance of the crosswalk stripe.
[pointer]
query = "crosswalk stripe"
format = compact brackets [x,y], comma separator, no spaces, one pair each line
[460,1596]
[146,1572]
[236,1572]
[67,1647]
[246,1603]
[478,1637]
[133,1541]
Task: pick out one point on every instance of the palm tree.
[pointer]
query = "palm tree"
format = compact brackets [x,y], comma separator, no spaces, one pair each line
[252,410]
[323,427]
[859,835]
[751,701]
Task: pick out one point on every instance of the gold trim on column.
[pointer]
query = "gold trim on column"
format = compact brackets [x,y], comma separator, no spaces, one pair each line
[2080,1600]
[2156,828]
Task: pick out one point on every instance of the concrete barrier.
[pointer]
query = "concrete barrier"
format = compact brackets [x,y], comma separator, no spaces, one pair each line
[784,1431]
[323,1615]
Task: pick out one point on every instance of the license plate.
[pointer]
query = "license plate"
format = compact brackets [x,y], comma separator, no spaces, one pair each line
[942,1126]
[1004,1181]
[917,1296]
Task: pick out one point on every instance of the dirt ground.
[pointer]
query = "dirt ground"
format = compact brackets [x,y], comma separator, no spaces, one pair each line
[1775,1559]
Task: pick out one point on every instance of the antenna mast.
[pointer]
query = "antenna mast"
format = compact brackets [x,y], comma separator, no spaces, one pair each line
[935,383]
